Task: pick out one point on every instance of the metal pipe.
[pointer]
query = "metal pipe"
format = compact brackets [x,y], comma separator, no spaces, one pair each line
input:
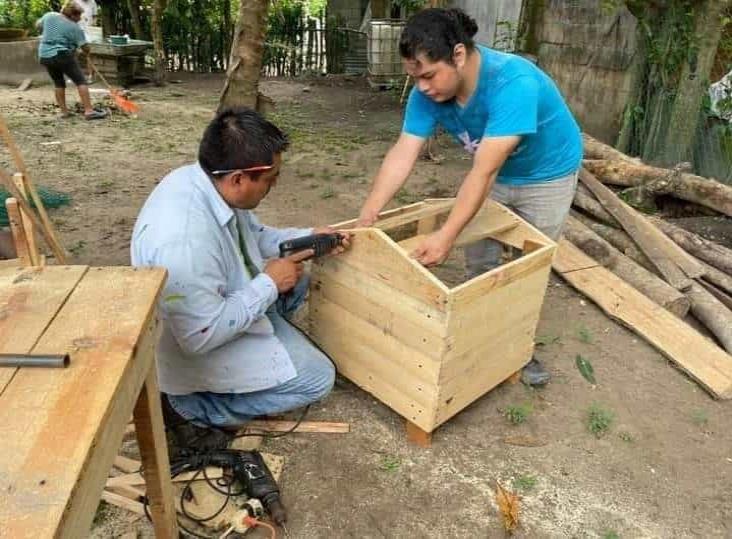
[31,360]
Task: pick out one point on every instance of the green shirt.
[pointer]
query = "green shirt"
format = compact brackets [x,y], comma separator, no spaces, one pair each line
[60,34]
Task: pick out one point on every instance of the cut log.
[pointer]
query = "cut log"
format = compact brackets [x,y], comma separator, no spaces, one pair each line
[660,181]
[719,279]
[712,313]
[618,239]
[675,265]
[726,299]
[586,201]
[698,356]
[634,274]
[594,149]
[710,252]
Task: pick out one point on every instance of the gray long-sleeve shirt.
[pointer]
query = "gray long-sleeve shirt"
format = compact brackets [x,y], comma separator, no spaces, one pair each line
[216,336]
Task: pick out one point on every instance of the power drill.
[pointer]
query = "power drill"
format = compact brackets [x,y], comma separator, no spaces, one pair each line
[250,470]
[322,244]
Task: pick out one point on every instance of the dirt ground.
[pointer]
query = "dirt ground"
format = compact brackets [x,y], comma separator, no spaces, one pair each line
[663,469]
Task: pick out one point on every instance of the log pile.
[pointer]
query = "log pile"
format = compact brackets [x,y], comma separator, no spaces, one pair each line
[650,265]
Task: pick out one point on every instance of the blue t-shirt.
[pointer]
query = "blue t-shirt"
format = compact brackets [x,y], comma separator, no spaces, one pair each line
[60,34]
[512,97]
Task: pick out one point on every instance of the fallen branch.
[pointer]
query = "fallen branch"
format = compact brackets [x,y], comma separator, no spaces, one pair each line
[704,191]
[712,313]
[594,149]
[586,201]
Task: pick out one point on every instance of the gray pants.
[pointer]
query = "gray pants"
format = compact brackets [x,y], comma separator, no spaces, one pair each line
[545,205]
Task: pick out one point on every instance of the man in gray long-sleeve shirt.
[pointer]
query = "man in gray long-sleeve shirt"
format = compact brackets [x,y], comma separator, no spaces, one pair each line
[227,353]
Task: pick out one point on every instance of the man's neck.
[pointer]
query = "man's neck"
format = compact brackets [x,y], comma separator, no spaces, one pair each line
[470,77]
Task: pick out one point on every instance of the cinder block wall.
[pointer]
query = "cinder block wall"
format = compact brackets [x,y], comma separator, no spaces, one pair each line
[19,61]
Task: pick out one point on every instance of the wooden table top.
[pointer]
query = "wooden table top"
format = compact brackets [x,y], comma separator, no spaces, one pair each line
[56,425]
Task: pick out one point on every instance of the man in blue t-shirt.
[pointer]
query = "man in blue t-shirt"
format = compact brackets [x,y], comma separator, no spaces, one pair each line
[507,113]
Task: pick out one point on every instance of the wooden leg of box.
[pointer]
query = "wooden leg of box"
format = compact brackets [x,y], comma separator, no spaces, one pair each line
[417,435]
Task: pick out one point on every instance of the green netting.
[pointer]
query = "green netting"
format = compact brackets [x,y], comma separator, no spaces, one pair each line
[50,198]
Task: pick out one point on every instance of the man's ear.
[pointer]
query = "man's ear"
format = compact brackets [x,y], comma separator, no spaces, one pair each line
[239,178]
[459,55]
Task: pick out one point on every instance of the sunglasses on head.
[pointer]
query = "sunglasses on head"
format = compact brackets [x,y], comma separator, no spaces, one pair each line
[258,168]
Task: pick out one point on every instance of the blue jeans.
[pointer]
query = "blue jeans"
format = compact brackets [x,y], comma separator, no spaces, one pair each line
[314,380]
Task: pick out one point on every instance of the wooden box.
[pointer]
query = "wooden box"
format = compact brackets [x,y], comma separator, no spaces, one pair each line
[423,348]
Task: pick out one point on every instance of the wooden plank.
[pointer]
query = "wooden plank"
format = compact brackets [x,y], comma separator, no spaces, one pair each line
[154,451]
[693,353]
[373,252]
[127,464]
[676,266]
[367,284]
[391,357]
[474,289]
[30,231]
[64,427]
[405,215]
[29,300]
[122,501]
[321,427]
[134,479]
[397,321]
[20,239]
[350,223]
[481,227]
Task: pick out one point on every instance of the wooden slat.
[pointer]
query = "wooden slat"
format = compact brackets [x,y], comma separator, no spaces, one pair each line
[63,427]
[699,357]
[482,226]
[133,479]
[676,266]
[405,215]
[373,252]
[127,464]
[20,238]
[29,300]
[319,427]
[29,229]
[122,501]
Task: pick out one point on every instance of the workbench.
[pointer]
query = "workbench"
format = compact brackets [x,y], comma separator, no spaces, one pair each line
[119,63]
[60,429]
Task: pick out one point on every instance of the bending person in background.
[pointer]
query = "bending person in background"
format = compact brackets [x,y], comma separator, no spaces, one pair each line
[507,113]
[61,37]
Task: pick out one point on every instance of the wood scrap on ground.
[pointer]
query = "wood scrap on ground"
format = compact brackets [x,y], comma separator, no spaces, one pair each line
[323,427]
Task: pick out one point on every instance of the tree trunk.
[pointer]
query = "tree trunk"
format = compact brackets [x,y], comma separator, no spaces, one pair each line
[134,7]
[635,275]
[586,201]
[618,239]
[242,81]
[678,145]
[704,191]
[594,149]
[710,252]
[712,313]
[157,34]
[378,9]
[107,11]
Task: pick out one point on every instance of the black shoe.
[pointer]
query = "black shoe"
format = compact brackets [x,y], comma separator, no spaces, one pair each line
[534,374]
[184,437]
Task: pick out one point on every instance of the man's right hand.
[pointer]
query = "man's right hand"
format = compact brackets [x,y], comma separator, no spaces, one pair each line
[366,220]
[285,272]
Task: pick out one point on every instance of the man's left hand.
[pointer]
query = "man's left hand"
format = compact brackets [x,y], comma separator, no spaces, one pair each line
[345,238]
[433,250]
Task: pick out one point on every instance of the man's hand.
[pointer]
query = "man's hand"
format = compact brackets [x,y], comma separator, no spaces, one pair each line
[285,272]
[434,249]
[366,220]
[345,238]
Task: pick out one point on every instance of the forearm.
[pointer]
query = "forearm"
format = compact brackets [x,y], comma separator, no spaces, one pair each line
[469,200]
[391,177]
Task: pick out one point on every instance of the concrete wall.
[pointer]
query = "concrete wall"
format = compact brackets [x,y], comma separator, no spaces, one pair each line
[19,61]
[488,15]
[588,51]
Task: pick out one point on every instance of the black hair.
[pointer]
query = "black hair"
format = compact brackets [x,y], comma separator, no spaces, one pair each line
[435,32]
[238,137]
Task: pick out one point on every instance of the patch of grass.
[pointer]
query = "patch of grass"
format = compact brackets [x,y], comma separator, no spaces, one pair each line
[626,437]
[610,534]
[700,417]
[599,420]
[584,335]
[517,414]
[524,483]
[77,247]
[106,185]
[328,192]
[390,463]
[405,196]
[543,340]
